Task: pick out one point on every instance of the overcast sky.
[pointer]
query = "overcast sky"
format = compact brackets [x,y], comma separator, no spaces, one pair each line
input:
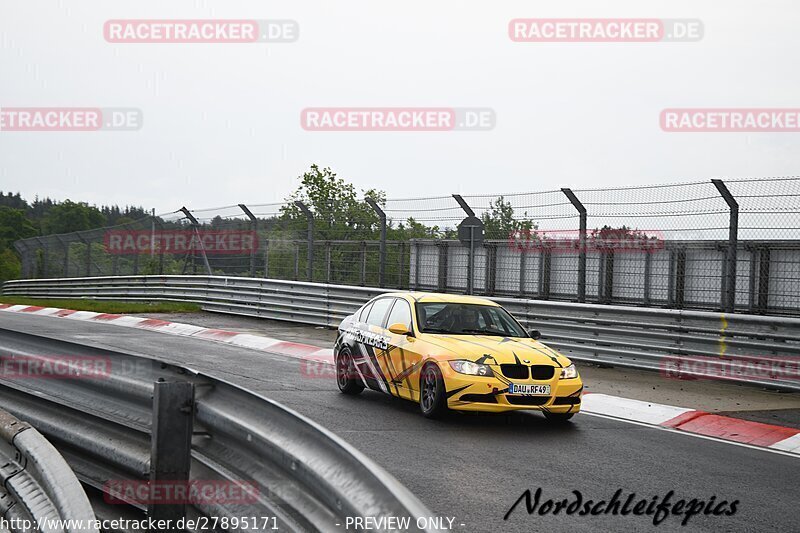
[222,121]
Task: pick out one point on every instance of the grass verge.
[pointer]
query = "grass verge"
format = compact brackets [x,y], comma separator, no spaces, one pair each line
[105,306]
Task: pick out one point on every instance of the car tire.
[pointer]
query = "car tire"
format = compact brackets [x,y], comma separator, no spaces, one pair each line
[557,418]
[345,374]
[432,394]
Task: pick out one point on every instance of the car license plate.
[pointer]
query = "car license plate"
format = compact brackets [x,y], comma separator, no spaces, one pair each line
[529,390]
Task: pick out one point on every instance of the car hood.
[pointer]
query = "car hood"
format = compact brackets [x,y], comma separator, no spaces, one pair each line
[504,350]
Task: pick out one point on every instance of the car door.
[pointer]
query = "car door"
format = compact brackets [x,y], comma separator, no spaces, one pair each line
[402,360]
[371,345]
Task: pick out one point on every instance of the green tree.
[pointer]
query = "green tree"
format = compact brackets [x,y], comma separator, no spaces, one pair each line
[14,226]
[500,223]
[339,212]
[70,216]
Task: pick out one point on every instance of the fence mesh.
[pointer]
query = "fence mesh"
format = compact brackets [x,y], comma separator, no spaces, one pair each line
[730,244]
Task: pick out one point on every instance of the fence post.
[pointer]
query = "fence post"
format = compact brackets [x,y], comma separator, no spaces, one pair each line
[471,257]
[728,296]
[254,229]
[88,253]
[581,243]
[401,262]
[266,258]
[171,443]
[22,248]
[310,255]
[327,261]
[382,260]
[363,263]
[442,277]
[43,246]
[196,228]
[64,245]
[763,279]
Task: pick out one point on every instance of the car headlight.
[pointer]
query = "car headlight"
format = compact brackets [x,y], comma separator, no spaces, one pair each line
[569,372]
[470,368]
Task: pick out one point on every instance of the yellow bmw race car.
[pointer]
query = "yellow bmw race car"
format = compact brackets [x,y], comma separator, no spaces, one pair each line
[453,352]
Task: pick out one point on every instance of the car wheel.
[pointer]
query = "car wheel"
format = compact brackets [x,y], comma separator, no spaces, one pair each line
[558,418]
[346,374]
[432,397]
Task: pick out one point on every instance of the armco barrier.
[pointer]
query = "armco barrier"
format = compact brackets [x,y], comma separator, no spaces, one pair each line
[38,485]
[304,476]
[743,348]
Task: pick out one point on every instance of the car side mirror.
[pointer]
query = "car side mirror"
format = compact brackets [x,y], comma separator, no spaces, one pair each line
[535,334]
[399,328]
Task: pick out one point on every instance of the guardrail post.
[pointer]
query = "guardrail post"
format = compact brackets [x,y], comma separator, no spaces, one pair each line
[382,260]
[196,229]
[728,296]
[680,278]
[310,255]
[254,229]
[471,255]
[171,444]
[581,242]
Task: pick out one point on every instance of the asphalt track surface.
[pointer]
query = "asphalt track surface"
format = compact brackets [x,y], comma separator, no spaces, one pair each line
[474,467]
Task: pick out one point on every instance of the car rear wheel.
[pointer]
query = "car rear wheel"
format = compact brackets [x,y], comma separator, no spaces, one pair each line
[346,377]
[432,397]
[558,418]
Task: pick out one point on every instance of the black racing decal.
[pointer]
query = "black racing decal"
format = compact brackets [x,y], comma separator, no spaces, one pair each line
[407,372]
[367,338]
[516,358]
[456,391]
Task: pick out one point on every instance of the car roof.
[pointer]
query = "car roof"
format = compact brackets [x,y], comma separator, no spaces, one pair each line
[414,296]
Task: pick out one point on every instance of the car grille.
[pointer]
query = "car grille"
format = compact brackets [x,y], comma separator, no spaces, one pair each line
[542,371]
[515,371]
[567,400]
[527,400]
[481,398]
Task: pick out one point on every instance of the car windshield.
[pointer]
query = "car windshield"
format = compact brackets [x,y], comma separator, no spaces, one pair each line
[467,319]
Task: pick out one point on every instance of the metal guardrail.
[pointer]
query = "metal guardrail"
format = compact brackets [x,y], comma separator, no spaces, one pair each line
[306,477]
[38,489]
[749,349]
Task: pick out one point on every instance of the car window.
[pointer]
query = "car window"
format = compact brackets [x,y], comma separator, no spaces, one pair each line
[401,312]
[378,311]
[466,319]
[362,317]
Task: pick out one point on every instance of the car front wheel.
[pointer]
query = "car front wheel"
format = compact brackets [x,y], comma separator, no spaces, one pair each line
[432,397]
